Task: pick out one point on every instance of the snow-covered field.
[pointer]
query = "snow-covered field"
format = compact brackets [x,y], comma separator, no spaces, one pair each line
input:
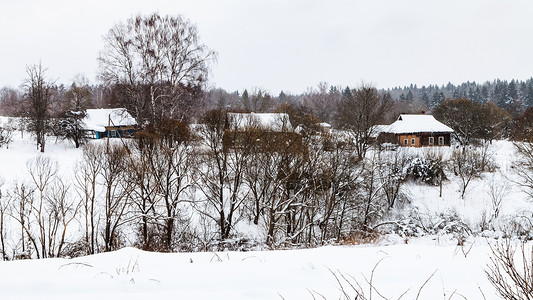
[394,264]
[291,274]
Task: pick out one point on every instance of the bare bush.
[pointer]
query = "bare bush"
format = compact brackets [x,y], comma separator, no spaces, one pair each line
[6,136]
[44,209]
[428,169]
[341,173]
[466,165]
[371,204]
[511,272]
[524,166]
[485,152]
[497,190]
[351,288]
[392,175]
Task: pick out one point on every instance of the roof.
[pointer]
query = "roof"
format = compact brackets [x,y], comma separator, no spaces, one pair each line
[415,124]
[98,119]
[265,121]
[377,129]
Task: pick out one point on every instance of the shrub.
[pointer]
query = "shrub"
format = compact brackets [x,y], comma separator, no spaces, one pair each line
[6,136]
[429,170]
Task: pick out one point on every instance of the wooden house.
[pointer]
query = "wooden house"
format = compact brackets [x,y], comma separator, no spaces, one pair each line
[112,123]
[262,130]
[411,130]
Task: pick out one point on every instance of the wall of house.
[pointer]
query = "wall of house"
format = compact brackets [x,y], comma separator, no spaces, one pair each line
[409,138]
[422,139]
[118,131]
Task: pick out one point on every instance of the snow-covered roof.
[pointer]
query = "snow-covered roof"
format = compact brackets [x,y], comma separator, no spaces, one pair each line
[323,124]
[377,129]
[98,119]
[265,121]
[414,124]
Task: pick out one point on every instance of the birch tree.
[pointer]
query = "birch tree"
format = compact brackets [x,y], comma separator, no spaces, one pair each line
[158,59]
[37,97]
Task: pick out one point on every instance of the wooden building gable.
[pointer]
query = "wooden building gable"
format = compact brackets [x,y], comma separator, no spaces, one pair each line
[416,131]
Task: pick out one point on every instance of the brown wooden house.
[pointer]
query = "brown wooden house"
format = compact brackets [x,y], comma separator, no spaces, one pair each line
[415,131]
[262,131]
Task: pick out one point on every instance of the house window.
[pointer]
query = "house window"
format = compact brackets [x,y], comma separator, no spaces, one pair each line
[113,133]
[441,140]
[405,142]
[431,141]
[412,142]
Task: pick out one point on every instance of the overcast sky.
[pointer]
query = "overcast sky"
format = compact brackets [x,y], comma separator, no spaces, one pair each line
[289,45]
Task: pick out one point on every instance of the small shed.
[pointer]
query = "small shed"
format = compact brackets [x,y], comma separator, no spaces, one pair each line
[112,123]
[261,129]
[413,130]
[324,127]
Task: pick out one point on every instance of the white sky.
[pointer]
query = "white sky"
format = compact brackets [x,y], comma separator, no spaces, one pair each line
[289,45]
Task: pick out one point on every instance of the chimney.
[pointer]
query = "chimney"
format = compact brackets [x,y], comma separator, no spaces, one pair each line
[423,112]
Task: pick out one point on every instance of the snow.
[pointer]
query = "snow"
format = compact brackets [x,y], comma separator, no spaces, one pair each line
[401,263]
[415,123]
[14,158]
[292,274]
[98,119]
[267,121]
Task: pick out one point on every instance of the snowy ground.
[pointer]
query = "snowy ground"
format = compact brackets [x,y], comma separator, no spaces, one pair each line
[401,263]
[292,274]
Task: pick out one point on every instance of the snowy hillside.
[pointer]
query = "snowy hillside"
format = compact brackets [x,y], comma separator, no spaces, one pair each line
[435,233]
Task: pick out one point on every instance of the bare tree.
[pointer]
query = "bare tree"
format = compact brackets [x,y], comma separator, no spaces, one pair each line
[217,98]
[524,166]
[158,59]
[370,200]
[144,195]
[258,101]
[21,210]
[343,169]
[466,165]
[494,121]
[359,112]
[497,192]
[44,209]
[286,183]
[322,101]
[174,172]
[62,210]
[116,192]
[471,120]
[38,94]
[4,206]
[42,172]
[221,171]
[87,186]
[10,102]
[69,122]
